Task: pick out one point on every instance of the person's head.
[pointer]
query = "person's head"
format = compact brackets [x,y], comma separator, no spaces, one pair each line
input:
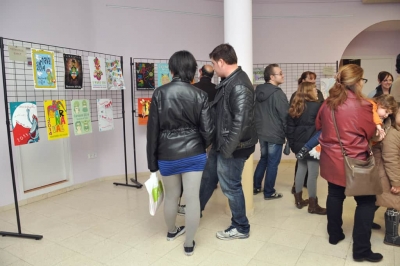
[398,64]
[348,78]
[224,60]
[273,74]
[307,91]
[386,104]
[385,79]
[307,76]
[206,71]
[183,64]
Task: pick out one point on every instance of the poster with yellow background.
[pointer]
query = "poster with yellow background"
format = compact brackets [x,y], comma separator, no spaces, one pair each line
[56,119]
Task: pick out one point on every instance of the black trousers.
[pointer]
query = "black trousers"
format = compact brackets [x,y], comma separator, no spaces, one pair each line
[363,218]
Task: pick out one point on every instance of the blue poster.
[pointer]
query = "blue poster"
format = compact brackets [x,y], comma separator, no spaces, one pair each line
[163,74]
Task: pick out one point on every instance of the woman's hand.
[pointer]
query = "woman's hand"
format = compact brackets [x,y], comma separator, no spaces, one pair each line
[395,190]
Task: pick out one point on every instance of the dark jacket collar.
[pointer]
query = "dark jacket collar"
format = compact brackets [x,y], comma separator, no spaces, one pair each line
[228,78]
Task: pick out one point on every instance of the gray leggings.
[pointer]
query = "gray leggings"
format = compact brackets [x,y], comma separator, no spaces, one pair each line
[191,190]
[313,168]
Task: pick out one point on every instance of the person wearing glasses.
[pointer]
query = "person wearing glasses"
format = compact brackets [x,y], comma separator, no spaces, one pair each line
[270,114]
[385,84]
[353,115]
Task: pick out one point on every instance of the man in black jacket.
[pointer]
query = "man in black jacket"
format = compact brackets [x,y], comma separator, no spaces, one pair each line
[234,142]
[270,116]
[205,84]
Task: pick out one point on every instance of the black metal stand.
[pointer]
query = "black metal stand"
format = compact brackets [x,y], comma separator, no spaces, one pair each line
[19,234]
[137,184]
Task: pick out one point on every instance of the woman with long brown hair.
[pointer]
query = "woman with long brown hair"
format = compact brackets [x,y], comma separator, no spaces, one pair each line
[353,115]
[300,128]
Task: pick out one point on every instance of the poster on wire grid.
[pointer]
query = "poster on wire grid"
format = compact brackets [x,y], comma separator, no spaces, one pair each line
[97,69]
[25,123]
[115,80]
[56,119]
[81,117]
[73,72]
[44,71]
[105,114]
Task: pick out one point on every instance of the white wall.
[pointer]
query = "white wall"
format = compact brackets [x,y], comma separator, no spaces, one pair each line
[90,25]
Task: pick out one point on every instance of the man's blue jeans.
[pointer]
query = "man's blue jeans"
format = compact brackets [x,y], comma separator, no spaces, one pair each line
[270,158]
[229,174]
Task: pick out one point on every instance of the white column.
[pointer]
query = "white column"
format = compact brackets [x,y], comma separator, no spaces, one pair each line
[238,32]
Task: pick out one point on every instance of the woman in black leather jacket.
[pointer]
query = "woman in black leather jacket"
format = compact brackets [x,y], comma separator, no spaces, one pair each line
[179,130]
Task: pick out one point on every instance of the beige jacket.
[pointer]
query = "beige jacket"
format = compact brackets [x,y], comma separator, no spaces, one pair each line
[387,158]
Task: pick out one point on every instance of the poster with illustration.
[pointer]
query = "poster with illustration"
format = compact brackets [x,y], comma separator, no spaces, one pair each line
[258,75]
[44,71]
[105,114]
[163,74]
[73,72]
[144,76]
[25,123]
[56,119]
[115,80]
[97,69]
[326,85]
[81,117]
[143,110]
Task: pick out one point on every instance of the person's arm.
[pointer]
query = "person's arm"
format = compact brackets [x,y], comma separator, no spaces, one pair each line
[207,126]
[282,107]
[153,129]
[241,101]
[318,122]
[291,126]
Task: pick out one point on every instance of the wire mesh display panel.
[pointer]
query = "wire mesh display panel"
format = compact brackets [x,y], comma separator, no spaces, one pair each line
[293,71]
[20,84]
[147,93]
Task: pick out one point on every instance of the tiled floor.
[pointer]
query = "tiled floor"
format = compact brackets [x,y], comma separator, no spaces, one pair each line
[106,225]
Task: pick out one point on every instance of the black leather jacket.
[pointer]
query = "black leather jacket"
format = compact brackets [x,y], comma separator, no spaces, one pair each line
[233,112]
[179,124]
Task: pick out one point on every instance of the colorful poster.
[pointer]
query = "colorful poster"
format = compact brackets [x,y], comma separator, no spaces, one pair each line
[81,117]
[105,114]
[56,119]
[73,72]
[143,110]
[44,71]
[144,76]
[97,69]
[25,123]
[115,80]
[258,75]
[163,74]
[326,85]
[17,53]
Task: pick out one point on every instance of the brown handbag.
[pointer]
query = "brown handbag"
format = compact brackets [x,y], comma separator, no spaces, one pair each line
[362,177]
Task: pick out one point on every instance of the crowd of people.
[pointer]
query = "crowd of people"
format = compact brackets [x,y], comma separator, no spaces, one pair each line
[202,134]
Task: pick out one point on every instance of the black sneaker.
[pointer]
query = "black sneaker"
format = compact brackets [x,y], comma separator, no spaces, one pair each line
[373,257]
[256,191]
[302,153]
[189,250]
[179,231]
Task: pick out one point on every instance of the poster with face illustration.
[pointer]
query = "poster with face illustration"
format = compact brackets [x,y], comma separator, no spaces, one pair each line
[163,74]
[81,117]
[44,71]
[73,72]
[97,67]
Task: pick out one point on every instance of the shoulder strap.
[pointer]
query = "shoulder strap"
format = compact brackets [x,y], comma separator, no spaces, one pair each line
[337,132]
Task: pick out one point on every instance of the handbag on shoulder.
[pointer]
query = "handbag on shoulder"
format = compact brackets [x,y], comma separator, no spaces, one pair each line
[362,177]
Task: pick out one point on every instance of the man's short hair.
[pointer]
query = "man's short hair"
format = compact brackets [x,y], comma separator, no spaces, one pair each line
[205,73]
[183,64]
[225,52]
[268,71]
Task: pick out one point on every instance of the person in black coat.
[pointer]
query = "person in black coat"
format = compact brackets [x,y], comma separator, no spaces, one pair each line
[206,73]
[300,128]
